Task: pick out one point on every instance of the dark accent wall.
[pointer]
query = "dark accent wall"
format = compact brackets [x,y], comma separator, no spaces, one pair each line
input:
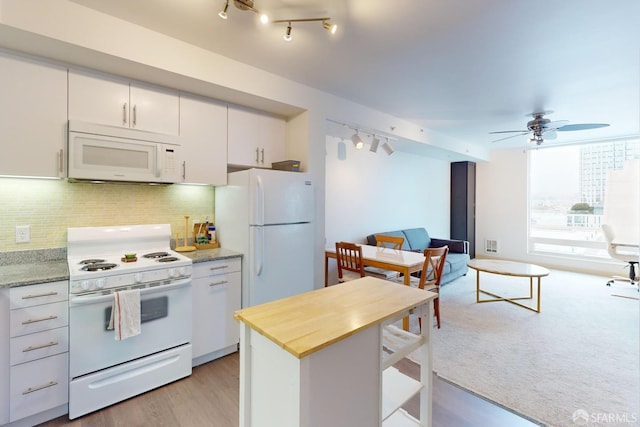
[463,203]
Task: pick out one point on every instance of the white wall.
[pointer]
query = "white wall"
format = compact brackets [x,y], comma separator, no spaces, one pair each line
[501,214]
[369,192]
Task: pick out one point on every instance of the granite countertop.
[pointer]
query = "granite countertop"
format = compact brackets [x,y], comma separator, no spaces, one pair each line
[33,273]
[204,255]
[34,268]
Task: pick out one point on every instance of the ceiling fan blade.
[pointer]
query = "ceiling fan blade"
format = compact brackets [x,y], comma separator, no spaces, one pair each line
[512,136]
[550,134]
[582,126]
[509,131]
[555,124]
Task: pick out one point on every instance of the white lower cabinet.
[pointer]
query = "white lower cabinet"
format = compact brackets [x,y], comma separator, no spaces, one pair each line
[4,356]
[216,291]
[38,349]
[39,385]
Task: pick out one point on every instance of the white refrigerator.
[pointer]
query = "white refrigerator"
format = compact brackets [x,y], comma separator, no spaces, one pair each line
[267,216]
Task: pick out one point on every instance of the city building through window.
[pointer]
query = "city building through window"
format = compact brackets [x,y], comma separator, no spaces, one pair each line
[574,189]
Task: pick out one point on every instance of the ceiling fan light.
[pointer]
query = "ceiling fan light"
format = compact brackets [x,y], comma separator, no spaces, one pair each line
[264,18]
[374,144]
[287,37]
[223,12]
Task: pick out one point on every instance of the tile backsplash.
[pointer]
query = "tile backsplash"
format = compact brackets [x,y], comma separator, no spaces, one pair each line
[49,207]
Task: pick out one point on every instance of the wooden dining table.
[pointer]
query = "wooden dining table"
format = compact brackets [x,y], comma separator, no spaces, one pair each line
[404,262]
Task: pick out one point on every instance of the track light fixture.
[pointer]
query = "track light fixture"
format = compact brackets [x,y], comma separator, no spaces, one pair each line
[223,12]
[243,5]
[357,141]
[249,5]
[374,144]
[287,35]
[332,28]
[388,148]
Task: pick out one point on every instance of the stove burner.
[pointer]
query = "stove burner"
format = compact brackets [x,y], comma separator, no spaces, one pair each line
[90,261]
[99,266]
[168,259]
[156,255]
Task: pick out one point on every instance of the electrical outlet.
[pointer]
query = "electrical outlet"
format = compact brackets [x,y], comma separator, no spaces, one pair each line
[23,233]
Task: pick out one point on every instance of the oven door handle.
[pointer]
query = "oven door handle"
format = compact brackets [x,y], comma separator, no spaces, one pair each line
[92,299]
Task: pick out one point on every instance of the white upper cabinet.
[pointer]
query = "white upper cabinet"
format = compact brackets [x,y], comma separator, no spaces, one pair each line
[255,139]
[108,100]
[203,132]
[33,117]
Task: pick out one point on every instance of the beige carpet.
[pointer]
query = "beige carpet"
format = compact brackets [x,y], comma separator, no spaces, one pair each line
[578,358]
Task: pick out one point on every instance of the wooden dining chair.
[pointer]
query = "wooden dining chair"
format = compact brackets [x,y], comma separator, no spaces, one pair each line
[393,242]
[384,241]
[431,274]
[349,257]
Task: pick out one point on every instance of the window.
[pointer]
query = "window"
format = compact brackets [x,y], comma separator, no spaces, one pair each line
[567,194]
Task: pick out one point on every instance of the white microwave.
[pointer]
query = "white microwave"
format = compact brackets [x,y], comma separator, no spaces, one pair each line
[109,153]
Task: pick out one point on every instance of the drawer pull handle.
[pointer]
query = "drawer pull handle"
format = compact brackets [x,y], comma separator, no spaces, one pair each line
[218,283]
[32,389]
[38,347]
[48,294]
[220,267]
[28,322]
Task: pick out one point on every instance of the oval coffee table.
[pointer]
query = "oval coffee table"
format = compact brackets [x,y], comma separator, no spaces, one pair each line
[508,268]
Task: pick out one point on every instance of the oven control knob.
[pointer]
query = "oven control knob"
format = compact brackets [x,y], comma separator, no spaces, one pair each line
[182,272]
[100,283]
[137,277]
[84,285]
[172,273]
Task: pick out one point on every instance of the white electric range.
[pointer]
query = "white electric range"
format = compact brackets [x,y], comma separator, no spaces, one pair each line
[104,370]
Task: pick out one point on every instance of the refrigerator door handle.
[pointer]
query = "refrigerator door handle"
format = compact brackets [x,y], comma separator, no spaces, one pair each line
[258,247]
[259,206]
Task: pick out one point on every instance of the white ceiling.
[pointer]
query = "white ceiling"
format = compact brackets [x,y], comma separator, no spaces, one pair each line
[463,68]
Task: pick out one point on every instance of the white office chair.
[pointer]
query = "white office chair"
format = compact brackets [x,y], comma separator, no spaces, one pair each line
[627,252]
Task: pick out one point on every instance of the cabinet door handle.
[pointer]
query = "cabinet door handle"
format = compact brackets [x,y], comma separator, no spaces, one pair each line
[124,113]
[219,267]
[30,321]
[135,116]
[257,155]
[184,171]
[262,156]
[222,282]
[38,347]
[48,294]
[32,389]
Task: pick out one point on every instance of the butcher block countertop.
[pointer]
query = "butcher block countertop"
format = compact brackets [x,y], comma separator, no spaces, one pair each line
[308,322]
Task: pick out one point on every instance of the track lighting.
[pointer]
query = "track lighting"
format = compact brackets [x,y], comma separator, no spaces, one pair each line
[357,141]
[332,28]
[374,144]
[223,12]
[388,148]
[248,5]
[287,36]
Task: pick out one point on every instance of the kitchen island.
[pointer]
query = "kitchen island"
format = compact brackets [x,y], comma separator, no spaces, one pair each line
[322,358]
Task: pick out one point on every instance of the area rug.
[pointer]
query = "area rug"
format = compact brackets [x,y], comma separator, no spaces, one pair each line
[575,363]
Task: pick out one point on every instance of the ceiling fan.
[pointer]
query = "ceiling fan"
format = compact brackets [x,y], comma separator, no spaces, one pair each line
[542,128]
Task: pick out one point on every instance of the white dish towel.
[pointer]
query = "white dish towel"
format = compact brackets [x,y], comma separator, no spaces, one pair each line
[125,314]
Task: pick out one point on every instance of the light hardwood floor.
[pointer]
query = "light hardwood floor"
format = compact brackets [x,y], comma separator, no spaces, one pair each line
[209,397]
